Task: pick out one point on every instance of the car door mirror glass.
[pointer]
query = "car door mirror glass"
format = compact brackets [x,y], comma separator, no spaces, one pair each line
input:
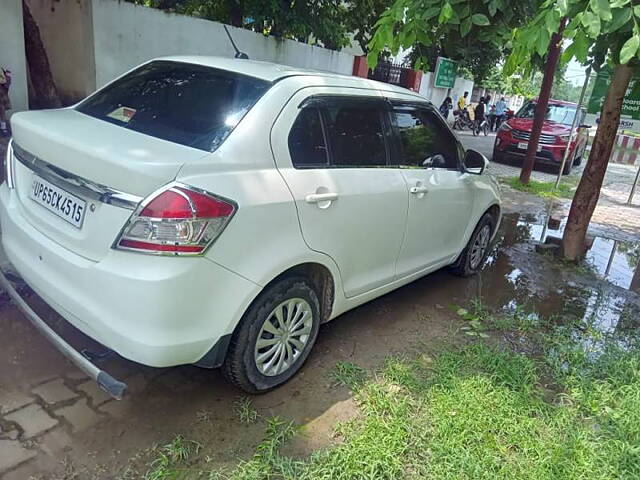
[474,162]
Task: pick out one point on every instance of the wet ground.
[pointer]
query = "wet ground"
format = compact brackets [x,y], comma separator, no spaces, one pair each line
[56,424]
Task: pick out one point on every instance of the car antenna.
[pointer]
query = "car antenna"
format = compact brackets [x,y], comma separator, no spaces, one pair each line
[238,54]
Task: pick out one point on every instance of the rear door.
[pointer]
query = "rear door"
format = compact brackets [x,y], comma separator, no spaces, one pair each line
[333,152]
[440,195]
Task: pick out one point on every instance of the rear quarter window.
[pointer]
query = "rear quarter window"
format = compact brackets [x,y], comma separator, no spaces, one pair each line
[189,104]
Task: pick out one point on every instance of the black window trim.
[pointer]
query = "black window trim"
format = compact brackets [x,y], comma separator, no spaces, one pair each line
[408,105]
[322,101]
[327,147]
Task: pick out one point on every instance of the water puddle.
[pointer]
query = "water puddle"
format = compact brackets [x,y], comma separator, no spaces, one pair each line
[599,298]
[613,260]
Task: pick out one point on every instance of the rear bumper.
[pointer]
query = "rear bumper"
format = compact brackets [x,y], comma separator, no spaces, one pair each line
[109,384]
[158,311]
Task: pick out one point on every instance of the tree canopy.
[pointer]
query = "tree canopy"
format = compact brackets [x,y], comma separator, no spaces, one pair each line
[597,30]
[476,33]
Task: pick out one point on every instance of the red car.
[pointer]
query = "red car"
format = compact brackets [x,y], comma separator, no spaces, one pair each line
[513,136]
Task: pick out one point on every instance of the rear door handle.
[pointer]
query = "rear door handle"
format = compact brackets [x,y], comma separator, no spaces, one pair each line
[321,197]
[417,190]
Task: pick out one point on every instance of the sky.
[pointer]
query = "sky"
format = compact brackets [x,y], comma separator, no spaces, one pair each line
[575,73]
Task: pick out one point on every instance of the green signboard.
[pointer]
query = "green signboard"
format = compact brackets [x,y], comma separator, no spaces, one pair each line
[445,74]
[631,103]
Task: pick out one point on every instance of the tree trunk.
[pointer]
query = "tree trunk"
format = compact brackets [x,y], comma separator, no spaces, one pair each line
[586,196]
[44,93]
[236,13]
[553,54]
[635,281]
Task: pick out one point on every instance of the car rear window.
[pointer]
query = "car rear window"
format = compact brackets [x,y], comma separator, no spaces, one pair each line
[183,103]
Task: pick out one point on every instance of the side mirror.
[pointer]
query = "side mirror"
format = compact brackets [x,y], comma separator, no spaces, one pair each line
[474,162]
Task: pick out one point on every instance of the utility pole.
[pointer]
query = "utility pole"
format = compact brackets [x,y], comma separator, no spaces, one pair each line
[553,54]
[573,125]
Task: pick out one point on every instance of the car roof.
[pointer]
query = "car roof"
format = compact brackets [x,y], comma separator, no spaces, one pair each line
[272,72]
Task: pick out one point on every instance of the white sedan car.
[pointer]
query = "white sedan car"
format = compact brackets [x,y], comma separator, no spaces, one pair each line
[215,212]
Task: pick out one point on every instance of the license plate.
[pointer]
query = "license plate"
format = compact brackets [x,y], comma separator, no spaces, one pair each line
[525,145]
[58,201]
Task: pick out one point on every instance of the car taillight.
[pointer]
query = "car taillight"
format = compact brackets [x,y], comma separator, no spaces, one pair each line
[8,166]
[180,220]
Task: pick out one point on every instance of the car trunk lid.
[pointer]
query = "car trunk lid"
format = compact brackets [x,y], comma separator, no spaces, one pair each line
[87,157]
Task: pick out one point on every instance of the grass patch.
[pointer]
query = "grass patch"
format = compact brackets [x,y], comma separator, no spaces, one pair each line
[484,413]
[566,188]
[170,457]
[479,412]
[245,410]
[348,374]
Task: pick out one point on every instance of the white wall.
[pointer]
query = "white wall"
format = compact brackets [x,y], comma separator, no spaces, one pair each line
[126,35]
[12,55]
[437,95]
[427,90]
[65,28]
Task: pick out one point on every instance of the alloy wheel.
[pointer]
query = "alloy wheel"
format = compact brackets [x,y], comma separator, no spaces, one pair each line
[283,336]
[479,247]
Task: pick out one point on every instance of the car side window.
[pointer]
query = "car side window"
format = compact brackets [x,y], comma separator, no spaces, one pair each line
[307,144]
[356,134]
[424,140]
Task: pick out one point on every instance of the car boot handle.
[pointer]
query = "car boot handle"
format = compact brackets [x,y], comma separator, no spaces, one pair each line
[321,197]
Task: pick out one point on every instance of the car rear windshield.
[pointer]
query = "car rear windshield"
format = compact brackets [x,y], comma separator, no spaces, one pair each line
[183,103]
[555,112]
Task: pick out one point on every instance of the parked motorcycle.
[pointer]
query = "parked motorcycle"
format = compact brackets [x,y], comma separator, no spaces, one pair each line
[462,120]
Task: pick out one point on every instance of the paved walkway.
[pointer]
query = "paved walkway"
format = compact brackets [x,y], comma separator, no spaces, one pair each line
[613,217]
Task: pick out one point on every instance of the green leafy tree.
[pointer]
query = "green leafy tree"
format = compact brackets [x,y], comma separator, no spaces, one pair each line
[599,31]
[475,32]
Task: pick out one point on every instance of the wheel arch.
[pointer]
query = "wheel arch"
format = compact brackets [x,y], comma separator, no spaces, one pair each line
[495,211]
[323,282]
[321,279]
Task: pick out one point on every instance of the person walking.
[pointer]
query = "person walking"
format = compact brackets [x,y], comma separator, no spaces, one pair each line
[5,102]
[501,110]
[478,114]
[446,106]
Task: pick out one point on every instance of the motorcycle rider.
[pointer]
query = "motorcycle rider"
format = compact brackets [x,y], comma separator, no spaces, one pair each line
[501,110]
[462,106]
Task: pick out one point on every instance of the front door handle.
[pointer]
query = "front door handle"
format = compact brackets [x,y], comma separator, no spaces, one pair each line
[321,197]
[419,189]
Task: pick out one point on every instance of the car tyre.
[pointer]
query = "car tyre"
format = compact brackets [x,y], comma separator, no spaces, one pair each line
[246,364]
[475,253]
[567,167]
